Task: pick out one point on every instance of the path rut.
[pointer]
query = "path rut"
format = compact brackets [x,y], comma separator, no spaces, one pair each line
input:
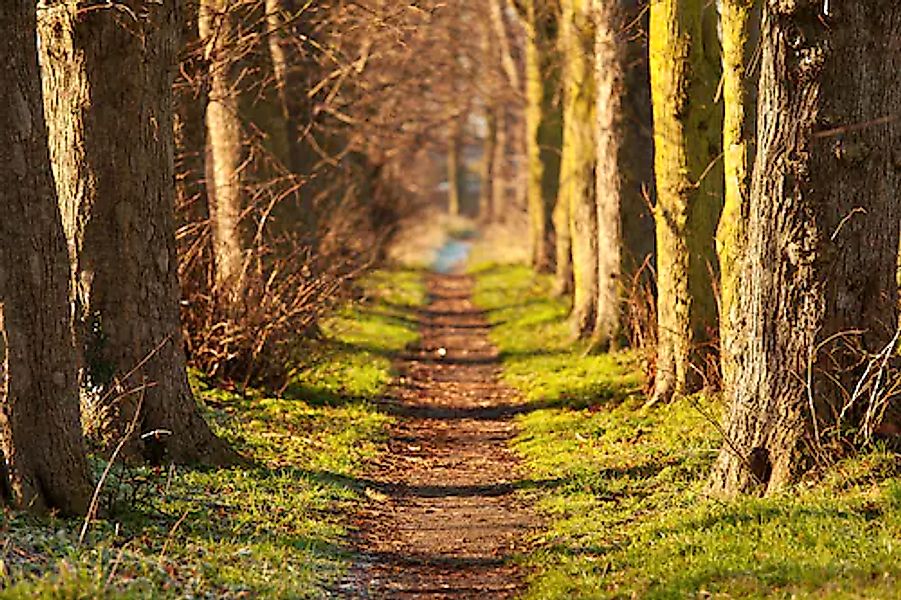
[443,519]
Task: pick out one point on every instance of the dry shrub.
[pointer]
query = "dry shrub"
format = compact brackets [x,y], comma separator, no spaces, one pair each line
[292,276]
[641,318]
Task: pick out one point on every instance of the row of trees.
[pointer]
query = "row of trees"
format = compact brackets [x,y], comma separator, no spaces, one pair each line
[751,147]
[89,223]
[189,184]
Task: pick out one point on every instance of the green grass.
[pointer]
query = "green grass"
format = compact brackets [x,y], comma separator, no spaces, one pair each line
[276,529]
[622,488]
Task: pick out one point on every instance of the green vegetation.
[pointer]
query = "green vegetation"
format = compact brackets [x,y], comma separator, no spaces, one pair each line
[274,528]
[622,488]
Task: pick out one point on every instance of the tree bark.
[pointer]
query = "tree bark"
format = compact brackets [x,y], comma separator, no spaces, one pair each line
[542,129]
[108,89]
[489,168]
[508,63]
[740,24]
[822,236]
[577,167]
[685,70]
[624,156]
[40,433]
[563,275]
[224,138]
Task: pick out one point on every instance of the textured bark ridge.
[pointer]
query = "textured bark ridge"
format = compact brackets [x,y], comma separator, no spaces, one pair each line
[108,90]
[577,162]
[624,159]
[685,69]
[40,433]
[740,25]
[822,234]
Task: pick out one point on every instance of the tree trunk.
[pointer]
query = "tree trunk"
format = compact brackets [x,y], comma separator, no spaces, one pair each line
[610,67]
[685,70]
[624,161]
[577,167]
[818,296]
[489,168]
[542,155]
[454,166]
[508,63]
[224,138]
[740,24]
[108,89]
[40,434]
[563,277]
[500,183]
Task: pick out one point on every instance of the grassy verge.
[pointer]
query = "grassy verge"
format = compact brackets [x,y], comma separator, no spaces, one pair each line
[621,488]
[276,529]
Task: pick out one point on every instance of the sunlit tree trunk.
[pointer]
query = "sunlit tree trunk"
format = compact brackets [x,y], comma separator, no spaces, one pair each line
[108,92]
[577,176]
[685,71]
[818,294]
[541,121]
[739,23]
[224,138]
[40,435]
[489,168]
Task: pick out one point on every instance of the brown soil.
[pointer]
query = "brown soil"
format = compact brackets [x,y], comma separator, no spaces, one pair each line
[443,519]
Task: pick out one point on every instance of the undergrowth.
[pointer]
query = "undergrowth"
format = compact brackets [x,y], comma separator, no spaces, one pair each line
[621,487]
[276,528]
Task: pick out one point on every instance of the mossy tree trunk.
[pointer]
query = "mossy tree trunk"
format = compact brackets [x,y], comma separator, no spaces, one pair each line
[563,270]
[108,92]
[818,294]
[41,442]
[685,71]
[223,121]
[539,20]
[624,160]
[740,24]
[577,167]
[489,167]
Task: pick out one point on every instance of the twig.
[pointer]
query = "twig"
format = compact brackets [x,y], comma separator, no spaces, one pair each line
[95,499]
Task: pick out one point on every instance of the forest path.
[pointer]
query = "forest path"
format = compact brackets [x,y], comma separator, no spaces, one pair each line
[443,518]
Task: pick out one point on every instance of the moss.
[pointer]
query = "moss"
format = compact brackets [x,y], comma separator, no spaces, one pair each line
[276,529]
[621,488]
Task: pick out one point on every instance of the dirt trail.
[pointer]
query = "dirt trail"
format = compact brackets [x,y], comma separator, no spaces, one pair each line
[443,520]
